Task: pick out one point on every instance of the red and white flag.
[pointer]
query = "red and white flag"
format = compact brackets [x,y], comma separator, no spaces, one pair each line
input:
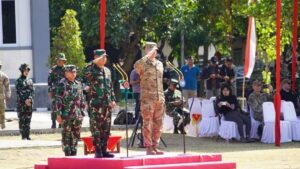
[250,48]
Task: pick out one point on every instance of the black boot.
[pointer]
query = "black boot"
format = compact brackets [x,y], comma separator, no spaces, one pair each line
[23,136]
[73,152]
[98,153]
[175,129]
[181,129]
[105,153]
[53,124]
[67,153]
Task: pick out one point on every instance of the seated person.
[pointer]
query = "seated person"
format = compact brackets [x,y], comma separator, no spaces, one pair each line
[228,106]
[174,107]
[288,95]
[257,98]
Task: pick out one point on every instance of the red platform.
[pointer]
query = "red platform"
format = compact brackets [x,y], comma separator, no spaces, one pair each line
[168,161]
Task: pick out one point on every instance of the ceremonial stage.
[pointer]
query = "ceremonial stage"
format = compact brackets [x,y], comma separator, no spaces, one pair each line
[140,161]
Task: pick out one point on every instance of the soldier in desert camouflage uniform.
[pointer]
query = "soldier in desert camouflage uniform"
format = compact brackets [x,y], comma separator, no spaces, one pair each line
[56,73]
[69,108]
[152,97]
[4,95]
[102,100]
[25,94]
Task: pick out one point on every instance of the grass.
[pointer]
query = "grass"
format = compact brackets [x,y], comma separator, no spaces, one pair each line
[247,156]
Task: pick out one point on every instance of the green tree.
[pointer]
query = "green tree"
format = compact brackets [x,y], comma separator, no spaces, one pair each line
[67,40]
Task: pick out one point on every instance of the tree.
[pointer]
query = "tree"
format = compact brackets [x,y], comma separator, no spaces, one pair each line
[67,40]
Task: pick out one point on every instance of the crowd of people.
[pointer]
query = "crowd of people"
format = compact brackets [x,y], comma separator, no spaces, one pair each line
[155,91]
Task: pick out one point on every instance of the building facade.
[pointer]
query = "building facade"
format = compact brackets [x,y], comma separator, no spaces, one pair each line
[25,37]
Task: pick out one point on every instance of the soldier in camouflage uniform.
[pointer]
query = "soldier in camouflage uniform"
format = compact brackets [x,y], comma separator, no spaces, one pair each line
[102,100]
[25,94]
[174,107]
[152,97]
[5,94]
[56,73]
[69,108]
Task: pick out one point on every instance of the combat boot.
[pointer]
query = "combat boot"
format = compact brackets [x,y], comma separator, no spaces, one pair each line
[157,151]
[98,153]
[2,126]
[67,153]
[73,152]
[181,129]
[53,124]
[150,151]
[23,136]
[105,153]
[175,129]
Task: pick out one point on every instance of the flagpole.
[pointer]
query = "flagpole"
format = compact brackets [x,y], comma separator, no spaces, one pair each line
[243,93]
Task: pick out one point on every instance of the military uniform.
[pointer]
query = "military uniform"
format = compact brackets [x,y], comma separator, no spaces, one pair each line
[4,94]
[25,93]
[101,94]
[69,104]
[176,111]
[56,73]
[152,99]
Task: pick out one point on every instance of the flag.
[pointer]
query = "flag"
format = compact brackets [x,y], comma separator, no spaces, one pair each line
[250,48]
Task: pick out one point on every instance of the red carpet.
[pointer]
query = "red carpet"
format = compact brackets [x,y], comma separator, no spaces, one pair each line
[168,161]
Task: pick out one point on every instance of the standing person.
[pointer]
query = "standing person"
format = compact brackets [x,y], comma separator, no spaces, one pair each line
[152,97]
[25,94]
[5,94]
[227,74]
[191,74]
[174,107]
[102,101]
[212,77]
[69,108]
[56,73]
[135,83]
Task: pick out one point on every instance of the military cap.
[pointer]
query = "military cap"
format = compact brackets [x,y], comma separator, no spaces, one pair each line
[24,66]
[174,81]
[229,59]
[257,82]
[100,52]
[188,57]
[70,68]
[61,56]
[150,45]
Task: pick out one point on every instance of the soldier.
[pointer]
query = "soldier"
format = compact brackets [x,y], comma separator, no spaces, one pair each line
[152,97]
[102,100]
[174,107]
[25,94]
[56,73]
[69,108]
[4,95]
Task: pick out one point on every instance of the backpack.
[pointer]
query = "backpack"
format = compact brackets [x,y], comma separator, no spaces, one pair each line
[121,118]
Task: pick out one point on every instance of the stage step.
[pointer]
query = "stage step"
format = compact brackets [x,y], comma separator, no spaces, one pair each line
[41,166]
[203,165]
[88,162]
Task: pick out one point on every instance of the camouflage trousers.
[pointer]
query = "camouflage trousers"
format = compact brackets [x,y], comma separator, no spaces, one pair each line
[53,114]
[2,112]
[152,113]
[24,123]
[100,124]
[180,116]
[70,134]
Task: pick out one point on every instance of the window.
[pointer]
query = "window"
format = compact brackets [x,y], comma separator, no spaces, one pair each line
[8,22]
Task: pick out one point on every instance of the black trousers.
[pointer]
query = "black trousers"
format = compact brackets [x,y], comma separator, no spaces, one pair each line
[240,119]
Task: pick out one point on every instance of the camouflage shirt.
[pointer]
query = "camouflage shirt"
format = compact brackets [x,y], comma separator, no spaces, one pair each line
[69,100]
[25,90]
[255,102]
[170,97]
[151,75]
[56,73]
[100,85]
